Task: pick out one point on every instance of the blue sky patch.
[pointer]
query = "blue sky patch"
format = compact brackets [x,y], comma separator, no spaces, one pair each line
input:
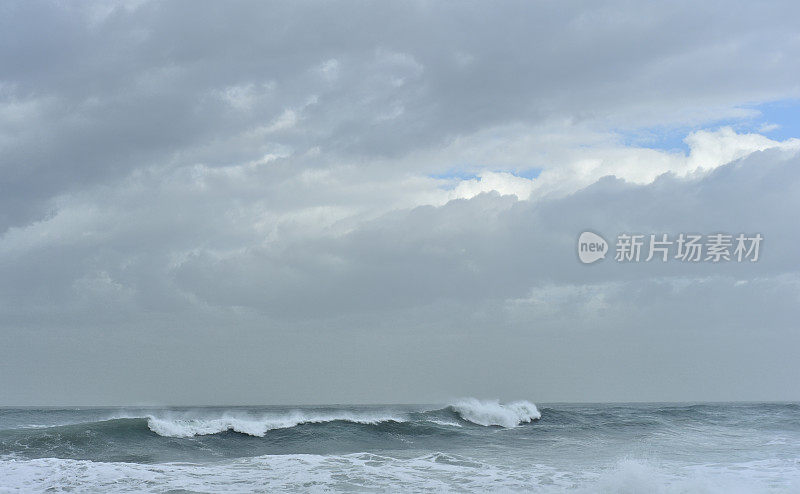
[778,120]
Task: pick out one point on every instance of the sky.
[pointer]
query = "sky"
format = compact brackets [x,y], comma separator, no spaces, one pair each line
[372,202]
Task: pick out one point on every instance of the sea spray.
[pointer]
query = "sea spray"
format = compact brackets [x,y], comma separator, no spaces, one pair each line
[494,413]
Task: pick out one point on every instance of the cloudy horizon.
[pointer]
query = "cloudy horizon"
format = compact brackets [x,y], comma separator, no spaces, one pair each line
[359,202]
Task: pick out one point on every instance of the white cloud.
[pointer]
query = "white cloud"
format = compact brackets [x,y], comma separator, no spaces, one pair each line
[286,120]
[503,183]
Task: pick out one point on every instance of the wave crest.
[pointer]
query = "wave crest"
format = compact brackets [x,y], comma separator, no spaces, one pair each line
[201,422]
[485,413]
[492,412]
[254,426]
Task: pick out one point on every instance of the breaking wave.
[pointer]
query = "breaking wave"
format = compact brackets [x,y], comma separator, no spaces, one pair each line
[490,413]
[257,426]
[485,413]
[285,430]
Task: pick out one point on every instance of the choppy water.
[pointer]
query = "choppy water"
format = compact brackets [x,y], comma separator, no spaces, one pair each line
[468,446]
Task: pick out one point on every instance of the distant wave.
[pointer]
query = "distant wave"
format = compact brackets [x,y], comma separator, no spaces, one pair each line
[489,413]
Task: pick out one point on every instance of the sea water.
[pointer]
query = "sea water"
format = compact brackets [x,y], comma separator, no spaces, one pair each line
[467,446]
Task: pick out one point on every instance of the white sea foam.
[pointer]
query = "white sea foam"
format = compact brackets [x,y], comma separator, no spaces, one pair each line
[434,472]
[639,476]
[176,425]
[492,412]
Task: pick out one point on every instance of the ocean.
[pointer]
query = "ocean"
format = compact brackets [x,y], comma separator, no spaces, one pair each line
[467,446]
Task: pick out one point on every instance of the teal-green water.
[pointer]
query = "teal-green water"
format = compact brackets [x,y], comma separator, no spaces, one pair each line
[469,446]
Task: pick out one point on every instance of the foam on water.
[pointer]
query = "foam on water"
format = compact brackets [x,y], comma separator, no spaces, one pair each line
[435,472]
